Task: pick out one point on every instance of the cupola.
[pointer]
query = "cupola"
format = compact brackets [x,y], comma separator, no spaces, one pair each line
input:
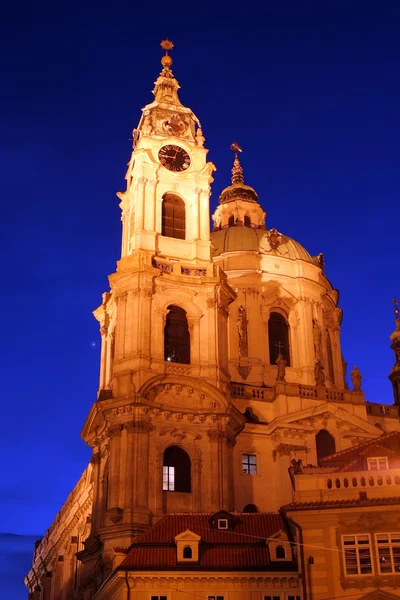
[238,203]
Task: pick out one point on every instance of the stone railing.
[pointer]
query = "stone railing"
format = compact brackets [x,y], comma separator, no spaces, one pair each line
[268,394]
[251,392]
[307,391]
[382,410]
[318,487]
[177,268]
[363,479]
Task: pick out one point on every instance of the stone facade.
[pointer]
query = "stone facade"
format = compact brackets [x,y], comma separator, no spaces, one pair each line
[265,376]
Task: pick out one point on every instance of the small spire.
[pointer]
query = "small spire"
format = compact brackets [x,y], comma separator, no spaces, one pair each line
[237,171]
[395,337]
[166,60]
[396,307]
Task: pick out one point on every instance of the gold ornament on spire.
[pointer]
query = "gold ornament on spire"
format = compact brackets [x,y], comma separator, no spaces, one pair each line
[166,60]
[237,171]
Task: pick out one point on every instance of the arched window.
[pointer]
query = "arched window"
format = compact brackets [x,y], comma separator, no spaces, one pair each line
[176,470]
[331,372]
[173,217]
[247,222]
[250,508]
[187,552]
[176,336]
[280,552]
[325,443]
[278,335]
[231,221]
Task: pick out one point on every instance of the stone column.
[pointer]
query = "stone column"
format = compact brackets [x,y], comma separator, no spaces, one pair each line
[140,204]
[103,358]
[137,467]
[97,495]
[109,359]
[150,206]
[305,339]
[196,485]
[216,495]
[144,319]
[204,213]
[195,217]
[227,442]
[120,326]
[194,331]
[114,473]
[125,233]
[337,357]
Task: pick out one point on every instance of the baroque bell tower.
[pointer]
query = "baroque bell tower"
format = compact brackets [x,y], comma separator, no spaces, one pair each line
[168,165]
[163,426]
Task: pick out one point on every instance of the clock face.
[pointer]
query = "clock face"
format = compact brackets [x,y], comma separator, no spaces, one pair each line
[174,158]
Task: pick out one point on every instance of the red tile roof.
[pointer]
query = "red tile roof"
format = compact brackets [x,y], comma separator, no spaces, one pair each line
[389,441]
[244,547]
[326,504]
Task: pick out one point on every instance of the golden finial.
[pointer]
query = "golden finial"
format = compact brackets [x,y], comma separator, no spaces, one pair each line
[166,60]
[396,307]
[237,171]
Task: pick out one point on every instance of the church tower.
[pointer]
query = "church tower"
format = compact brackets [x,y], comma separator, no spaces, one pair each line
[162,429]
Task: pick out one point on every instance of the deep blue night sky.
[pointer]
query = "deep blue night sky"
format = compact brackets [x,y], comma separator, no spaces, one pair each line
[311,92]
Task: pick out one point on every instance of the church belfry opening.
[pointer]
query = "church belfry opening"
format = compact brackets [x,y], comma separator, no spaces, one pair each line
[278,337]
[176,470]
[173,217]
[176,336]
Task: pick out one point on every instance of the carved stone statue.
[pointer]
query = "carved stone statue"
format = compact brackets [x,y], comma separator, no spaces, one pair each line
[200,137]
[147,126]
[242,330]
[319,372]
[297,466]
[317,337]
[135,136]
[356,379]
[281,362]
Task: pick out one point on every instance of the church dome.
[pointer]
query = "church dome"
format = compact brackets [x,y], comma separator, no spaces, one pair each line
[248,239]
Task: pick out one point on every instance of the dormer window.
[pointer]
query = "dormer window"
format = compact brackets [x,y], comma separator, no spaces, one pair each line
[377,463]
[222,520]
[187,546]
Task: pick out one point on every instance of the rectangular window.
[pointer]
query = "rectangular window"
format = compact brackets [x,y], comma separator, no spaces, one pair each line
[215,598]
[357,554]
[388,550]
[292,597]
[272,598]
[159,597]
[222,523]
[377,463]
[168,479]
[249,464]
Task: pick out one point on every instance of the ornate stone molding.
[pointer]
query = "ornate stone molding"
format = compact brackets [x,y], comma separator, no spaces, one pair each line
[114,431]
[139,426]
